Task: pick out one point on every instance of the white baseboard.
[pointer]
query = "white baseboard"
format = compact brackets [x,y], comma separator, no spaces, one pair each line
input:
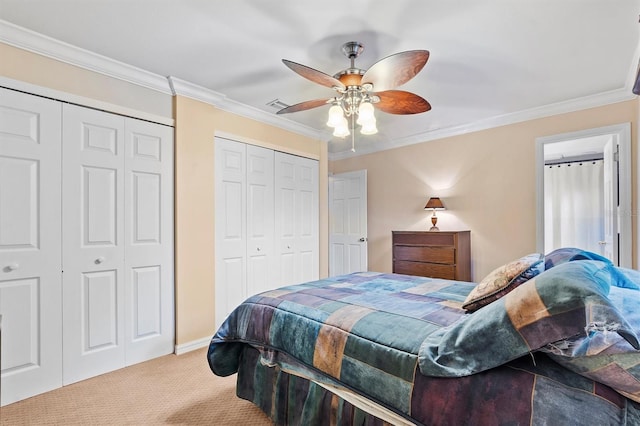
[192,345]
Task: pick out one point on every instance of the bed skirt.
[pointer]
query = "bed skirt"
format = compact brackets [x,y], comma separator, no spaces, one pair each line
[292,400]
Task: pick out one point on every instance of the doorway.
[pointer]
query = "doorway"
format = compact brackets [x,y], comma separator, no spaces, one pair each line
[348,223]
[612,146]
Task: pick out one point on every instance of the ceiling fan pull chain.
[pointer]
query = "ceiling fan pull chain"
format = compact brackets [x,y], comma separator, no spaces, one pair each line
[353,135]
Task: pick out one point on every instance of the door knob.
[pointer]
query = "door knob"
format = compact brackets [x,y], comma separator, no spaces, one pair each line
[363,239]
[99,260]
[11,267]
[602,243]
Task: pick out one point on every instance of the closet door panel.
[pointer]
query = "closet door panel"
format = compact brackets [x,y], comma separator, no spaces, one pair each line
[260,217]
[285,228]
[230,226]
[19,203]
[30,281]
[148,229]
[296,218]
[93,246]
[99,306]
[285,222]
[99,206]
[307,221]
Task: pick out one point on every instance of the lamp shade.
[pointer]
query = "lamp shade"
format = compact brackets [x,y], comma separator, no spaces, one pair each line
[434,203]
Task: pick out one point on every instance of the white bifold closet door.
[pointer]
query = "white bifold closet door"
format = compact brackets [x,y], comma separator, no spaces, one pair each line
[117,242]
[30,278]
[265,201]
[244,223]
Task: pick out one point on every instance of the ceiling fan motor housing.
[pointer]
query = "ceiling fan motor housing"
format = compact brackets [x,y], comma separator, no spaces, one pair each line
[352,49]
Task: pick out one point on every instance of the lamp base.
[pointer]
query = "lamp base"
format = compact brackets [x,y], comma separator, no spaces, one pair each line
[434,220]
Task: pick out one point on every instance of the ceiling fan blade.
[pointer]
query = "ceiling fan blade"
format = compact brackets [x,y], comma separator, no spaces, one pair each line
[302,106]
[395,70]
[314,75]
[401,102]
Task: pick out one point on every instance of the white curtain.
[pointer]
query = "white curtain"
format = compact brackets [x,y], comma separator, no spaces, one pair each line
[574,206]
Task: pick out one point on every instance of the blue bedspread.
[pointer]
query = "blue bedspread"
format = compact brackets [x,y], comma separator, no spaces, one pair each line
[401,340]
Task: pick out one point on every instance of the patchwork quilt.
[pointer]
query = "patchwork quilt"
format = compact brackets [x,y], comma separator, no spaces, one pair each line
[405,343]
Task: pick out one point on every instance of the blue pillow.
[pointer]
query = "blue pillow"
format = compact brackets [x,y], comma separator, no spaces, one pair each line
[628,278]
[569,254]
[561,305]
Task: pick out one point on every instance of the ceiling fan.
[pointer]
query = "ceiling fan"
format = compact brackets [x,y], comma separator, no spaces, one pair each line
[358,90]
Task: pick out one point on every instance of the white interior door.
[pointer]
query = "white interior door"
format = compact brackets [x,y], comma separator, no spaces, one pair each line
[348,223]
[148,225]
[93,244]
[230,226]
[30,262]
[260,217]
[610,174]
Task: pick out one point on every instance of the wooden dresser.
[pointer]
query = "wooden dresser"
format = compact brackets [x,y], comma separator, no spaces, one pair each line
[438,254]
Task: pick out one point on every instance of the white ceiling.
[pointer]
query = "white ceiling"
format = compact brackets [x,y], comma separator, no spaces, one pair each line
[492,62]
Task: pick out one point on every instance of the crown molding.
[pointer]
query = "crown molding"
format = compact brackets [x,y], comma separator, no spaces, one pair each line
[43,45]
[193,91]
[199,93]
[578,104]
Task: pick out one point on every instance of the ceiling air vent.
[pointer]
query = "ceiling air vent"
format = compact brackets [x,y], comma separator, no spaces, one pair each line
[277,104]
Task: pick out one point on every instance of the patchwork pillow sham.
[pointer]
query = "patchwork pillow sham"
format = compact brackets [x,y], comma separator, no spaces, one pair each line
[504,279]
[556,305]
[602,354]
[569,254]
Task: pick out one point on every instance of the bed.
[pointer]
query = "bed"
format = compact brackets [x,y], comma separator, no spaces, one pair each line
[541,340]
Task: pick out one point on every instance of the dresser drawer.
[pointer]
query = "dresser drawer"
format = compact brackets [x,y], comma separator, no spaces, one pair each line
[435,254]
[421,238]
[434,270]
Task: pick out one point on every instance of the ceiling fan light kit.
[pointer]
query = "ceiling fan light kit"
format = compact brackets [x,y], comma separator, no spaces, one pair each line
[358,90]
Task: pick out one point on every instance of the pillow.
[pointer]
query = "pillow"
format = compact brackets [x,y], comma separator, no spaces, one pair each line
[631,278]
[569,254]
[504,279]
[558,304]
[602,354]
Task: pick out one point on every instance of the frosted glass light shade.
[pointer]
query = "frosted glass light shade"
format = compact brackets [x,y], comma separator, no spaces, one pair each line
[369,128]
[342,129]
[365,113]
[335,116]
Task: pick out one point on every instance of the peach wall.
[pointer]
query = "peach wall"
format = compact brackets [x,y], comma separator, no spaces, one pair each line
[487,181]
[36,69]
[196,125]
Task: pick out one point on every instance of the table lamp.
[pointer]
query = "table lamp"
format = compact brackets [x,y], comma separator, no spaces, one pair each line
[434,203]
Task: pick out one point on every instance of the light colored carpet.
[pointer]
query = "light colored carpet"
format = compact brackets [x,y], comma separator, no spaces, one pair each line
[170,390]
